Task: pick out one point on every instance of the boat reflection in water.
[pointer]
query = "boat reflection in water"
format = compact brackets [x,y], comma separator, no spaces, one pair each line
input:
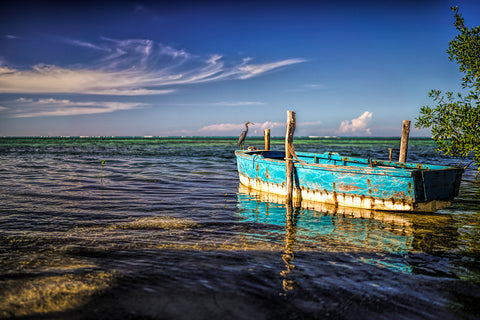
[400,242]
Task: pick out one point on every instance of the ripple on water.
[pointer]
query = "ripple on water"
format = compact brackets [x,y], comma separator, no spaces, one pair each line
[157,232]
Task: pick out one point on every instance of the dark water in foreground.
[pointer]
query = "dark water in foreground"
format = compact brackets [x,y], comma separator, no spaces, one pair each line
[162,231]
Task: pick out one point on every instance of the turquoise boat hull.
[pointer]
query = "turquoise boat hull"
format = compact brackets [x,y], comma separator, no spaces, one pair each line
[352,182]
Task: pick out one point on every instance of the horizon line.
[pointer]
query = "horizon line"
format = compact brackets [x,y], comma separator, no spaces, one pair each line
[199,136]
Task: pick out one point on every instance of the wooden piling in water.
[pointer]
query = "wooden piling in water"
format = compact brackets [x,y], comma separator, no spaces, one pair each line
[266,136]
[404,141]
[288,154]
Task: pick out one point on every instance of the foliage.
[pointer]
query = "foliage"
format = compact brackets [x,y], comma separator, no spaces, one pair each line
[455,120]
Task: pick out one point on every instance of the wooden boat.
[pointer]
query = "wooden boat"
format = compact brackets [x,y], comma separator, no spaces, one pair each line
[352,182]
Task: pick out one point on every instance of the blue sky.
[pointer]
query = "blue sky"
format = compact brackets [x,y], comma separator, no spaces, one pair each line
[176,68]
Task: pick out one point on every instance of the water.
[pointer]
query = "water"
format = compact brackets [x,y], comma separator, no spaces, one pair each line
[162,230]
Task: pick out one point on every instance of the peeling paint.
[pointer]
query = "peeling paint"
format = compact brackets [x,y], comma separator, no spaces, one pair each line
[342,181]
[347,187]
[399,194]
[333,198]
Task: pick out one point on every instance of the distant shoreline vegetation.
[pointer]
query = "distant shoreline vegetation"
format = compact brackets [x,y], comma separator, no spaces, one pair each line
[123,145]
[215,137]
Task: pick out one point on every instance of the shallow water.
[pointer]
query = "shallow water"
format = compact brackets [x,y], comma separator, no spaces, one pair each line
[162,230]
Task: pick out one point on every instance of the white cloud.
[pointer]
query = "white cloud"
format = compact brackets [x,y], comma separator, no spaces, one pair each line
[357,125]
[278,128]
[315,86]
[233,129]
[86,45]
[223,128]
[131,67]
[23,100]
[251,70]
[133,92]
[220,104]
[29,108]
[3,108]
[310,87]
[52,79]
[260,127]
[309,123]
[239,103]
[214,58]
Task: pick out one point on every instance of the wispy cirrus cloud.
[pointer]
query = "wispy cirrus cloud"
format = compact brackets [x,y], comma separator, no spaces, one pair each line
[132,67]
[310,87]
[86,45]
[239,103]
[357,125]
[251,70]
[28,108]
[220,104]
[53,79]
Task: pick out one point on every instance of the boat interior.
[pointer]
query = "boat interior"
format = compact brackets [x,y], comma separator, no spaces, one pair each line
[332,158]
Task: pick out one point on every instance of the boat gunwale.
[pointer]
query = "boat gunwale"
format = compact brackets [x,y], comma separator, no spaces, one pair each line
[393,171]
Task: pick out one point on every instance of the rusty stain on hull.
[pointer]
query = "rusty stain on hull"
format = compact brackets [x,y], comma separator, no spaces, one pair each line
[347,187]
[352,182]
[341,199]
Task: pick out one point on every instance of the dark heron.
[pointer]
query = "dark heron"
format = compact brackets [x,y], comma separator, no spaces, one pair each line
[243,135]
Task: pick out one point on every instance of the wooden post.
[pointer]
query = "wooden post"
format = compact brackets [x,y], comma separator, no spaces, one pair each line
[390,154]
[404,141]
[288,154]
[266,136]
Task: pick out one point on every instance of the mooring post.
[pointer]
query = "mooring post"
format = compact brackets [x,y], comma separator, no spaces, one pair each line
[404,141]
[390,153]
[266,135]
[288,154]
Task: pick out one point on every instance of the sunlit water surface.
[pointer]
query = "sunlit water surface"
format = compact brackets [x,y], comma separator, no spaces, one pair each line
[158,228]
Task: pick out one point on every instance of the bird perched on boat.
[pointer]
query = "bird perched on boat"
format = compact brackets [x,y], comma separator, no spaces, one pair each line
[243,135]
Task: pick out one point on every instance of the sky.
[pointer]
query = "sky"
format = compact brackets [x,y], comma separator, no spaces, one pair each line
[204,68]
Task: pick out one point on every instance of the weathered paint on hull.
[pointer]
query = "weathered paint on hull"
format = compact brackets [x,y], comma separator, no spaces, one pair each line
[393,219]
[340,199]
[352,183]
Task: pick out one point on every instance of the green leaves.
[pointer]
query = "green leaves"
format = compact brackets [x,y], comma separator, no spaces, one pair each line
[465,50]
[455,120]
[454,124]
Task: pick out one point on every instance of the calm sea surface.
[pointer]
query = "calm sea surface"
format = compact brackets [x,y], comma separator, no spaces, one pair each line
[158,228]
